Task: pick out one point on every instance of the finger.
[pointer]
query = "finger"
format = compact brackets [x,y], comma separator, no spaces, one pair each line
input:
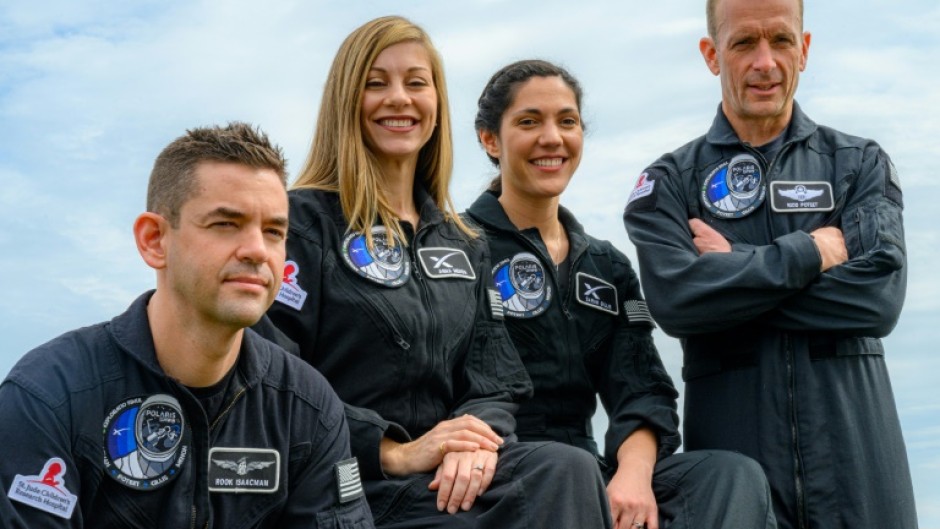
[448,471]
[461,483]
[437,479]
[488,473]
[457,445]
[479,427]
[652,519]
[473,487]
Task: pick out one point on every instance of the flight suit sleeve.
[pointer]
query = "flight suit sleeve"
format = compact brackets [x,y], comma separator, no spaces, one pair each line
[493,379]
[691,294]
[632,382]
[318,479]
[862,296]
[34,439]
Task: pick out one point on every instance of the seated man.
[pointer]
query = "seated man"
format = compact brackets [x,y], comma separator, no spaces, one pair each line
[172,414]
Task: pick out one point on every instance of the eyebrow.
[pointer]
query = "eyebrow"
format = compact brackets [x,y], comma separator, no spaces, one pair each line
[234,214]
[533,110]
[411,69]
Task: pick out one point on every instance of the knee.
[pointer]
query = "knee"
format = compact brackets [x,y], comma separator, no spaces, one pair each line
[568,462]
[732,467]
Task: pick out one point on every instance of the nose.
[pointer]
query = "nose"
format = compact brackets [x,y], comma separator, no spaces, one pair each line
[764,57]
[252,247]
[397,95]
[551,135]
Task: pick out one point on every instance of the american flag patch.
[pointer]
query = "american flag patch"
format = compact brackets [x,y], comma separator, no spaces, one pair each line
[496,304]
[637,312]
[348,483]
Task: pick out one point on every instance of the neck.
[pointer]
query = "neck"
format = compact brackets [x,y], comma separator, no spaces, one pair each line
[540,213]
[761,131]
[398,188]
[188,350]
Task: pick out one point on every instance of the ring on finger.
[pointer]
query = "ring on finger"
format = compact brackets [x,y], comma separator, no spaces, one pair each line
[478,467]
[442,448]
[638,524]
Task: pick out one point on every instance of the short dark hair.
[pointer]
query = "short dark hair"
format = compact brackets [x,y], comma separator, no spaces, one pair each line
[500,91]
[173,178]
[712,22]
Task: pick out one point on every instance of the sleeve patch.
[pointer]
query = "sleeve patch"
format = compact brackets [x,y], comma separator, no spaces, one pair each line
[45,491]
[893,183]
[643,195]
[348,483]
[496,304]
[290,293]
[637,312]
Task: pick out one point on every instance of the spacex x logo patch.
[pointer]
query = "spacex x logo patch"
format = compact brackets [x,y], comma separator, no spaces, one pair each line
[597,293]
[446,263]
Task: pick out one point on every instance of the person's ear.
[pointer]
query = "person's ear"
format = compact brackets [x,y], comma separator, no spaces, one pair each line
[710,53]
[490,143]
[150,233]
[805,51]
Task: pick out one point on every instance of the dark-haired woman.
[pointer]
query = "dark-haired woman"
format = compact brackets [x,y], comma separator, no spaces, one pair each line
[385,292]
[575,313]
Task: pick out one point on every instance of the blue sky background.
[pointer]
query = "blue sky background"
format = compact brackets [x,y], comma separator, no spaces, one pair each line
[91,91]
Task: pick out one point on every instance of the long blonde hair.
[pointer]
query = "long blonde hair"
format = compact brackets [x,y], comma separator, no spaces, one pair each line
[339,159]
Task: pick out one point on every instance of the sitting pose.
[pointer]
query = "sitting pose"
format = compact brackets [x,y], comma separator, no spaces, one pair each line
[574,311]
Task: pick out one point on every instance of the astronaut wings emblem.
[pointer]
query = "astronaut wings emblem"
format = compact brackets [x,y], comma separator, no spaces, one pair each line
[244,470]
[242,467]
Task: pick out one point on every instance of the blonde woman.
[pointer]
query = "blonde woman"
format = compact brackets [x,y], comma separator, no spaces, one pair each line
[386,292]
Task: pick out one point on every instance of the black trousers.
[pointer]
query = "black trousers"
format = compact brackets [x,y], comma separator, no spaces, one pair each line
[536,485]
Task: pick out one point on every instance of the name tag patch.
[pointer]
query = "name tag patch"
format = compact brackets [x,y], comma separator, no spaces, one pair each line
[597,293]
[45,491]
[291,294]
[446,263]
[243,470]
[348,483]
[798,197]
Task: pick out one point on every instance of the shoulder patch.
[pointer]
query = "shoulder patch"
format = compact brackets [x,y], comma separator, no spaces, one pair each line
[893,183]
[348,482]
[241,470]
[45,491]
[496,304]
[446,263]
[596,293]
[291,294]
[637,312]
[523,285]
[642,197]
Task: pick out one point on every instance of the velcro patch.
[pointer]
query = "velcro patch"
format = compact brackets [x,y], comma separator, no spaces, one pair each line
[801,197]
[348,483]
[893,184]
[637,312]
[446,263]
[496,304]
[597,293]
[291,294]
[240,470]
[642,197]
[45,491]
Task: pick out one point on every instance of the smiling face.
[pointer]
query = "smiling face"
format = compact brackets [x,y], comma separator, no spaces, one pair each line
[759,52]
[223,263]
[399,103]
[539,141]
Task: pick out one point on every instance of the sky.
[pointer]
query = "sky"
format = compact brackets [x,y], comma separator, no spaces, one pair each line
[91,91]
